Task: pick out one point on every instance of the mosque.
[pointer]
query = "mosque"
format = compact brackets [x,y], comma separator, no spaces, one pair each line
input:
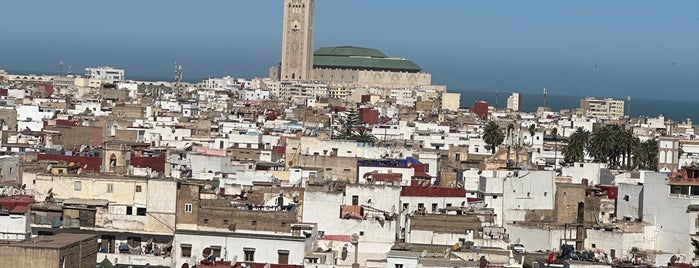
[341,65]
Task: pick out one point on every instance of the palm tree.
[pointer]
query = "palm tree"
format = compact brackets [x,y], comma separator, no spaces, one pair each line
[532,131]
[577,142]
[647,157]
[363,135]
[601,145]
[492,135]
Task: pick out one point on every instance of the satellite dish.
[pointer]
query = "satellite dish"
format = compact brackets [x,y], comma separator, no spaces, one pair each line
[423,254]
[354,238]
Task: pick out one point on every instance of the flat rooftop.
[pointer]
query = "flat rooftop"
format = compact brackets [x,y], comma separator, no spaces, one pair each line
[58,241]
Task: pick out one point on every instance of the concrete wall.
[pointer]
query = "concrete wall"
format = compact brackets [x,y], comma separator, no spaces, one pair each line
[536,238]
[630,202]
[529,190]
[323,207]
[232,245]
[673,225]
[14,227]
[620,242]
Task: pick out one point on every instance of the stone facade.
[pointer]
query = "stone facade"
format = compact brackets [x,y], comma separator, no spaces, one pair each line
[370,78]
[297,39]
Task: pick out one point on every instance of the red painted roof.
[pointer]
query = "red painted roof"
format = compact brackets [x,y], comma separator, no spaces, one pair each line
[417,190]
[211,264]
[262,265]
[17,204]
[341,238]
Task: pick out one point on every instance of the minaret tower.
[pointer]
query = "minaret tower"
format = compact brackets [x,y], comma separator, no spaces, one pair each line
[297,40]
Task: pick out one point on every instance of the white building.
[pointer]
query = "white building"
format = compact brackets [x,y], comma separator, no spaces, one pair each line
[106,74]
[514,102]
[607,108]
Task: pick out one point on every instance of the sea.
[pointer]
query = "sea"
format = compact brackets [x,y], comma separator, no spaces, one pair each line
[677,110]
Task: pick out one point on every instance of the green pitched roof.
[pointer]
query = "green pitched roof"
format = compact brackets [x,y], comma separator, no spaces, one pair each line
[348,57]
[349,51]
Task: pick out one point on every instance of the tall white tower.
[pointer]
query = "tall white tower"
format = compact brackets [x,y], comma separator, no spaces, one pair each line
[297,39]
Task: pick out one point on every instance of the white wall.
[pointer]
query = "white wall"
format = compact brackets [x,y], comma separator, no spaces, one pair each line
[232,245]
[673,225]
[14,227]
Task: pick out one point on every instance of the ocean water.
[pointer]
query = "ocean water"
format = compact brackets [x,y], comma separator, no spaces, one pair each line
[677,110]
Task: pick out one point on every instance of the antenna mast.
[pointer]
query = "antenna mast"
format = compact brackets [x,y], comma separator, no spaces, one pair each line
[178,77]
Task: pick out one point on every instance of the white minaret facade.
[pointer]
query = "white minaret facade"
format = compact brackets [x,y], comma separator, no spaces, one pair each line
[297,39]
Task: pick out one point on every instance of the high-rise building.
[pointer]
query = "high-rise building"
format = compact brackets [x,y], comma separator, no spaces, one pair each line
[514,102]
[602,108]
[297,40]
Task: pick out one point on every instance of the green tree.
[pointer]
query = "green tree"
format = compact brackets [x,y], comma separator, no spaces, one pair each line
[364,135]
[532,131]
[603,146]
[346,124]
[492,135]
[577,142]
[645,155]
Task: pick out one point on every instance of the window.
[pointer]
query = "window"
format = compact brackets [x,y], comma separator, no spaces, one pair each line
[249,254]
[458,157]
[129,210]
[186,250]
[206,220]
[254,223]
[138,188]
[405,206]
[110,188]
[141,211]
[355,200]
[283,256]
[420,206]
[626,198]
[78,185]
[398,265]
[215,251]
[225,222]
[448,205]
[434,207]
[188,207]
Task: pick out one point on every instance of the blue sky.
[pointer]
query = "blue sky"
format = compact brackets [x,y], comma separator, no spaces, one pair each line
[647,49]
